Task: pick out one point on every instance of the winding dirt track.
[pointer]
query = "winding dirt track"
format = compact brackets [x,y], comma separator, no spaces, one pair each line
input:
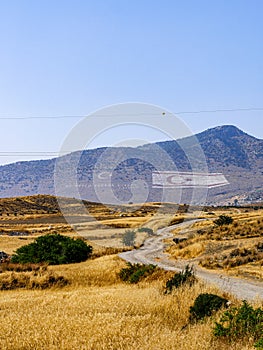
[152,252]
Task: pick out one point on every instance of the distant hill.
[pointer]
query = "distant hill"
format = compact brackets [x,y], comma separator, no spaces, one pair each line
[227,150]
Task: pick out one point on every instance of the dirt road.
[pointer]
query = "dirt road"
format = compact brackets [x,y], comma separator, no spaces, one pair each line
[152,252]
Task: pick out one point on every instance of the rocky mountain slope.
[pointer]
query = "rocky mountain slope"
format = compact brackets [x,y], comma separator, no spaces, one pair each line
[226,150]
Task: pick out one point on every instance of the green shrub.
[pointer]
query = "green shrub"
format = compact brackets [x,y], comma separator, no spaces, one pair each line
[223,220]
[241,322]
[259,344]
[53,249]
[205,305]
[185,276]
[146,229]
[135,272]
[128,238]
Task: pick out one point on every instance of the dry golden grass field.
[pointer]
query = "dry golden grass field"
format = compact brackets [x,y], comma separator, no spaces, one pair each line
[94,309]
[98,311]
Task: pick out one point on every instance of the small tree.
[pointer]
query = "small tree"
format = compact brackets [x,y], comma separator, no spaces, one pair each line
[53,249]
[223,220]
[128,238]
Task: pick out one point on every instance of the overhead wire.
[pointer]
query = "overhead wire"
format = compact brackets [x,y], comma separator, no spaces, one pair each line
[17,153]
[229,110]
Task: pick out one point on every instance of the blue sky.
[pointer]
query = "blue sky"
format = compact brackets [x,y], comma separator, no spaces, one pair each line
[72,57]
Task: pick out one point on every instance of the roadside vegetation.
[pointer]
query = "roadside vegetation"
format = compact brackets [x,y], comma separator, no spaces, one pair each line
[236,257]
[134,273]
[184,277]
[227,242]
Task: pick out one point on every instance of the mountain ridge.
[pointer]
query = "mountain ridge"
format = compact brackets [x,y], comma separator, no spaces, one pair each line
[226,149]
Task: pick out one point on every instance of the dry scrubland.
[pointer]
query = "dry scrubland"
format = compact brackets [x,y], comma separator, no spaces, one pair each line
[98,311]
[99,224]
[236,248]
[87,306]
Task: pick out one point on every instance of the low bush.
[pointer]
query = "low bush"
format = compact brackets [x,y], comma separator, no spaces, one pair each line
[146,229]
[241,322]
[223,220]
[259,344]
[205,305]
[185,276]
[136,272]
[53,249]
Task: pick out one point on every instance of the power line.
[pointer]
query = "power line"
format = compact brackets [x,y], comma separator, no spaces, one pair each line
[14,154]
[229,110]
[223,110]
[29,152]
[43,117]
[55,154]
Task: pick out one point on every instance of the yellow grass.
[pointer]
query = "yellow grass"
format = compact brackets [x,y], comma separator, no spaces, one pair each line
[10,244]
[105,225]
[213,245]
[192,251]
[97,311]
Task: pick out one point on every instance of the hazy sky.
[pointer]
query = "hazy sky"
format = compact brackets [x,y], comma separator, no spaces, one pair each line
[72,57]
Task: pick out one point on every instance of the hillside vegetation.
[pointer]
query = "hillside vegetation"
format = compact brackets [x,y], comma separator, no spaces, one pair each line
[235,248]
